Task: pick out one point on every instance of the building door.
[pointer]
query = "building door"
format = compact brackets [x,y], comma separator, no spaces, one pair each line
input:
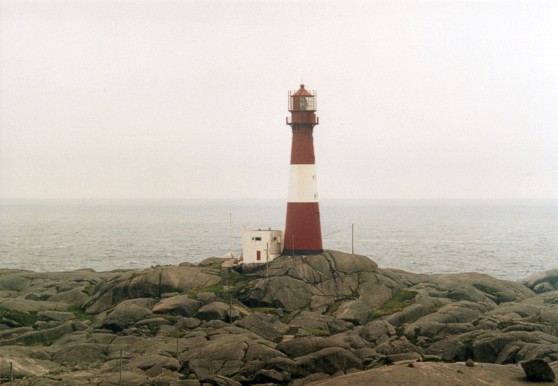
[258,255]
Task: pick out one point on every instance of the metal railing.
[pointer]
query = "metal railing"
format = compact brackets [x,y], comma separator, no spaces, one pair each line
[311,100]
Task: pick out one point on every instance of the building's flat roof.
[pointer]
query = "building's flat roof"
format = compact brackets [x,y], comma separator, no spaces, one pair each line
[262,230]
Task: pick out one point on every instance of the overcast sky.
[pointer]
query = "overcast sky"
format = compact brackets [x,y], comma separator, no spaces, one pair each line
[188,99]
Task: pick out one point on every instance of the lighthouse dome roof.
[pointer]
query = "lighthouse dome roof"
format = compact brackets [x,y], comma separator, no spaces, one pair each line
[302,91]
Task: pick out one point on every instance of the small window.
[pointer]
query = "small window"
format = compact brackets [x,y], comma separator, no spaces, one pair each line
[258,239]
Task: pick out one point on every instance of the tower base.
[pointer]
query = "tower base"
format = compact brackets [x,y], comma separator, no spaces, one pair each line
[303,233]
[302,252]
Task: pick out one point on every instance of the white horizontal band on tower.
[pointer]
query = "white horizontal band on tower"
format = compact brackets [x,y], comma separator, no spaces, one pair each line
[302,184]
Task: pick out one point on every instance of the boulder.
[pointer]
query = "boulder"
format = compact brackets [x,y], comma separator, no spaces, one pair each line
[262,352]
[152,325]
[349,340]
[283,364]
[33,338]
[14,280]
[543,287]
[408,314]
[542,350]
[184,279]
[396,346]
[224,354]
[311,378]
[55,315]
[206,297]
[219,380]
[354,311]
[23,363]
[487,346]
[280,292]
[154,364]
[267,326]
[303,346]
[126,313]
[448,320]
[150,283]
[476,288]
[79,353]
[72,296]
[271,376]
[549,277]
[538,370]
[24,305]
[217,311]
[188,323]
[177,305]
[377,332]
[212,261]
[329,360]
[311,322]
[112,378]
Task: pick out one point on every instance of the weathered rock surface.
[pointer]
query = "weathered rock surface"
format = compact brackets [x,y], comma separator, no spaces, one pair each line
[543,282]
[316,282]
[538,370]
[432,374]
[126,313]
[177,305]
[323,318]
[218,311]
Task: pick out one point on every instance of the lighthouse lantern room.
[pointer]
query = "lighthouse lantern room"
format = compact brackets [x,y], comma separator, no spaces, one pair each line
[303,235]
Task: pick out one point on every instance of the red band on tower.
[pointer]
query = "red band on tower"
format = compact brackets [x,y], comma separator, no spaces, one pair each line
[302,148]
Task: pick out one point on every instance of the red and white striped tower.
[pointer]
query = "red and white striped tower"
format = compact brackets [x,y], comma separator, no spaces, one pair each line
[303,233]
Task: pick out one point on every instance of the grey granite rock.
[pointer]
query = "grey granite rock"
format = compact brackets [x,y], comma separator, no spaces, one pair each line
[217,311]
[177,305]
[354,311]
[538,370]
[126,313]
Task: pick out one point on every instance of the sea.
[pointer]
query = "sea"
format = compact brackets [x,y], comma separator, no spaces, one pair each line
[508,239]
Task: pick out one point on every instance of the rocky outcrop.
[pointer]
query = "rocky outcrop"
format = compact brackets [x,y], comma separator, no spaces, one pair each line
[218,311]
[126,313]
[177,305]
[543,282]
[317,282]
[332,317]
[151,283]
[431,374]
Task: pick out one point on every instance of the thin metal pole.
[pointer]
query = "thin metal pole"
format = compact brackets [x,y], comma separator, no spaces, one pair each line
[230,310]
[230,229]
[177,340]
[353,239]
[11,372]
[120,382]
[293,244]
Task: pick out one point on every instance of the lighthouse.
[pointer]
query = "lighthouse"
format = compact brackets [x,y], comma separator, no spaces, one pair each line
[303,233]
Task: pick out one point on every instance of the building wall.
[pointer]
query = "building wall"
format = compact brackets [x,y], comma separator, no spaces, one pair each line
[261,246]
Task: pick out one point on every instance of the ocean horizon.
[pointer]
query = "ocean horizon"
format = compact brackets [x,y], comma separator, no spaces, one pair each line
[507,239]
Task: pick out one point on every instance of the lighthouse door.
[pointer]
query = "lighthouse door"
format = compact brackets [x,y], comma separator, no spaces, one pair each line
[258,255]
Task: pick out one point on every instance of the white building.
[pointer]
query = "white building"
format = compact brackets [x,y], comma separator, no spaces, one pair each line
[261,246]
